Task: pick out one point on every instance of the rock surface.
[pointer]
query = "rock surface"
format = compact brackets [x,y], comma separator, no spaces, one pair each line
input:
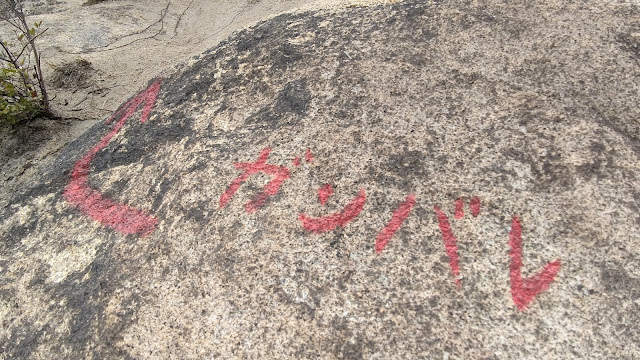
[479,164]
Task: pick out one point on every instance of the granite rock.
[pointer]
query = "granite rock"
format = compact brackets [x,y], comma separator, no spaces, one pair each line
[479,164]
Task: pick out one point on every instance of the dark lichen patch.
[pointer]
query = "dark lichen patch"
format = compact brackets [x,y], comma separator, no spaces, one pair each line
[198,211]
[23,341]
[616,279]
[408,162]
[630,42]
[86,295]
[289,107]
[284,56]
[142,141]
[40,275]
[185,86]
[248,40]
[553,172]
[120,155]
[16,233]
[549,170]
[621,291]
[294,98]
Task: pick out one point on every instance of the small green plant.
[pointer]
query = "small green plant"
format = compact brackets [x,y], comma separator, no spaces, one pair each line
[15,104]
[23,94]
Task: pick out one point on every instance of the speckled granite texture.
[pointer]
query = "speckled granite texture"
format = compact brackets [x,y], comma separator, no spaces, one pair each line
[412,118]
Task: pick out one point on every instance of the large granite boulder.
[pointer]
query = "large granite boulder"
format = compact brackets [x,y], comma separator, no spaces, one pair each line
[453,179]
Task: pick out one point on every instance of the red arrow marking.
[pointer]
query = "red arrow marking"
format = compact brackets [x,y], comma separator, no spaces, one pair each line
[523,291]
[120,217]
[399,214]
[341,218]
[450,243]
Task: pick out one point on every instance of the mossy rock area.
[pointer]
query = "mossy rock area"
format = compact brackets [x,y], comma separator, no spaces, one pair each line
[414,180]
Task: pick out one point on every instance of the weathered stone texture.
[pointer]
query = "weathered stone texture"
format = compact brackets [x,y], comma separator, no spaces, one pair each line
[529,106]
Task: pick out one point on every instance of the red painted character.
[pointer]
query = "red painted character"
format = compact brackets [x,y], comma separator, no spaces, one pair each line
[340,218]
[523,291]
[398,217]
[351,210]
[280,174]
[450,241]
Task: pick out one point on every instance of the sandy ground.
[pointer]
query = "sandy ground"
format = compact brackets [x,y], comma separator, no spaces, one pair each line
[126,43]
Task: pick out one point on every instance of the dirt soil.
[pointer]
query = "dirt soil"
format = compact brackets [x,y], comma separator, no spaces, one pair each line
[121,45]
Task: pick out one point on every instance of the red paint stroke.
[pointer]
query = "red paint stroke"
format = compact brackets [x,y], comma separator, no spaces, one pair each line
[450,243]
[399,214]
[340,218]
[117,216]
[474,205]
[308,156]
[280,173]
[296,161]
[324,193]
[523,291]
[459,212]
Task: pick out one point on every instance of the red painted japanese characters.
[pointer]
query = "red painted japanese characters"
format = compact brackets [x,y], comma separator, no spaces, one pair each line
[129,220]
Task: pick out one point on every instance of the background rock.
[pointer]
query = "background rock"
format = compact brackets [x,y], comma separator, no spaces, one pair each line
[530,107]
